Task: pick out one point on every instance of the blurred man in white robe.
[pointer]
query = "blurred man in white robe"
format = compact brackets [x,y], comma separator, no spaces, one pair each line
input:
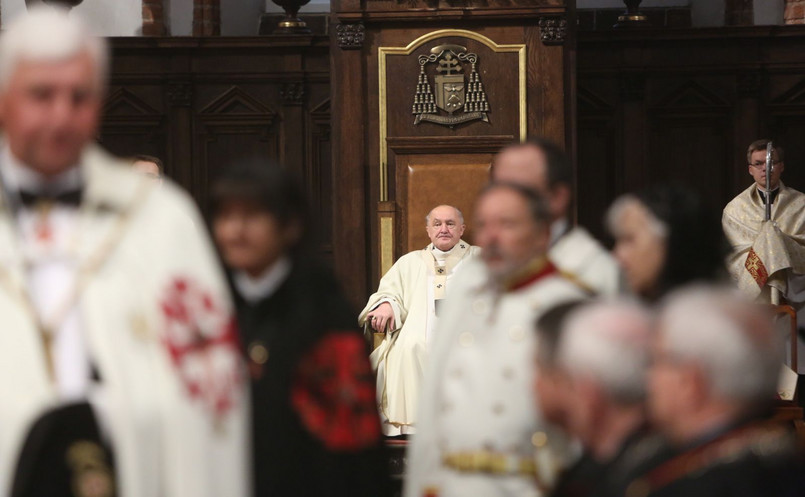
[110,299]
[479,422]
[405,305]
[541,165]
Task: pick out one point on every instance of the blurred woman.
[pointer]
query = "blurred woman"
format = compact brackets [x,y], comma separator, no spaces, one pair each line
[315,426]
[666,237]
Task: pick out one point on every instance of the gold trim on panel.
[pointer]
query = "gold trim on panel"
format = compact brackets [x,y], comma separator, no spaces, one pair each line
[406,50]
[386,244]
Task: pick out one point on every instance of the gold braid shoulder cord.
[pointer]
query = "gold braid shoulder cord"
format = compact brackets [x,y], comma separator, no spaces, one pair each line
[47,329]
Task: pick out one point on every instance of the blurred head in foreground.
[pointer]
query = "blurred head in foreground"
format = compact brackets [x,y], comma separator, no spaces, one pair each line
[716,359]
[551,383]
[259,216]
[666,237]
[53,74]
[605,350]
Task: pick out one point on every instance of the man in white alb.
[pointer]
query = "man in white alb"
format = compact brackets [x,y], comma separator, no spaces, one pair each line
[406,304]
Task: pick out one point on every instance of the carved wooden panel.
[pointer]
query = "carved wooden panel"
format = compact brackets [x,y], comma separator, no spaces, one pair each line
[233,127]
[203,104]
[427,180]
[682,106]
[131,125]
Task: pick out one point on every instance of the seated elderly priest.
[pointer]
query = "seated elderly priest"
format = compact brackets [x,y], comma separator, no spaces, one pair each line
[405,305]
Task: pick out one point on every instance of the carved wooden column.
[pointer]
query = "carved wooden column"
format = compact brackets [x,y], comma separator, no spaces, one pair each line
[632,89]
[348,94]
[292,96]
[179,93]
[747,122]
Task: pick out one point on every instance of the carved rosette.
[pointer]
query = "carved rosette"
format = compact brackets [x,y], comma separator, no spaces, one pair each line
[749,85]
[552,30]
[632,87]
[292,93]
[180,94]
[350,36]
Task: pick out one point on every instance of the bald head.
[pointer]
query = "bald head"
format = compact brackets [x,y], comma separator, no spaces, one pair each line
[540,165]
[523,164]
[445,226]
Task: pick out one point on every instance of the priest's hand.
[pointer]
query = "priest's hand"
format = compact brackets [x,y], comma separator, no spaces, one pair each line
[382,317]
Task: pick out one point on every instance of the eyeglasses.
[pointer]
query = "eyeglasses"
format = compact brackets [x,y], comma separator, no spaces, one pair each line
[763,164]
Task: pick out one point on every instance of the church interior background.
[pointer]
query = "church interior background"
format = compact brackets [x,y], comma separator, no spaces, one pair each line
[347,102]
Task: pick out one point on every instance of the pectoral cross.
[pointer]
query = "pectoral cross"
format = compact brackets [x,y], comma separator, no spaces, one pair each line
[43,231]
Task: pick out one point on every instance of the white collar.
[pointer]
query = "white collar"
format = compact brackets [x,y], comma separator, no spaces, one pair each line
[558,229]
[17,176]
[254,289]
[440,254]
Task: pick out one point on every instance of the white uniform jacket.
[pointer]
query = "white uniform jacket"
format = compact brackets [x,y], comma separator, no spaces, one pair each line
[478,394]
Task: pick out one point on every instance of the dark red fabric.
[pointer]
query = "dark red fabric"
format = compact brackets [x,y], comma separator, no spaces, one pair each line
[547,269]
[333,393]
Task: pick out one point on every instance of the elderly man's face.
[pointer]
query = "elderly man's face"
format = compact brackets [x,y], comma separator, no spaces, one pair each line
[444,228]
[757,168]
[507,233]
[50,111]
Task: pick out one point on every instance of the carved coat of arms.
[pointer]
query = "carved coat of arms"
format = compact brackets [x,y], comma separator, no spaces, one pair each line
[457,98]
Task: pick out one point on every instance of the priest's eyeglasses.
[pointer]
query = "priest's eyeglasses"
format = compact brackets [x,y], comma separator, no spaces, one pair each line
[759,164]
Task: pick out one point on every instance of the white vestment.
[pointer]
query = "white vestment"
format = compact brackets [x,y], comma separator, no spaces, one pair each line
[478,395]
[412,286]
[147,305]
[582,258]
[767,254]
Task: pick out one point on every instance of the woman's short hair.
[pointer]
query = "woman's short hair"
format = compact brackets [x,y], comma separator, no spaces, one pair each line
[265,184]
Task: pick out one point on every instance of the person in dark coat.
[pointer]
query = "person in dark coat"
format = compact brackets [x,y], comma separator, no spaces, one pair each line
[315,426]
[716,360]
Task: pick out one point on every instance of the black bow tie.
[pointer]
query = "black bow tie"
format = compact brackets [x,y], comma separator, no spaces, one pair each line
[69,198]
[773,195]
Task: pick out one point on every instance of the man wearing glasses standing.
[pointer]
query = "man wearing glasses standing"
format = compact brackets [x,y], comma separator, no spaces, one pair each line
[767,254]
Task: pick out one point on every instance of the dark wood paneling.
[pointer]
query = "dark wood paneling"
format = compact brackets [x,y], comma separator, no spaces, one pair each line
[682,106]
[205,104]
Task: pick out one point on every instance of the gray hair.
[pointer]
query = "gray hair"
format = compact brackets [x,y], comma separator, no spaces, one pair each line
[458,213]
[48,34]
[609,342]
[623,203]
[729,338]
